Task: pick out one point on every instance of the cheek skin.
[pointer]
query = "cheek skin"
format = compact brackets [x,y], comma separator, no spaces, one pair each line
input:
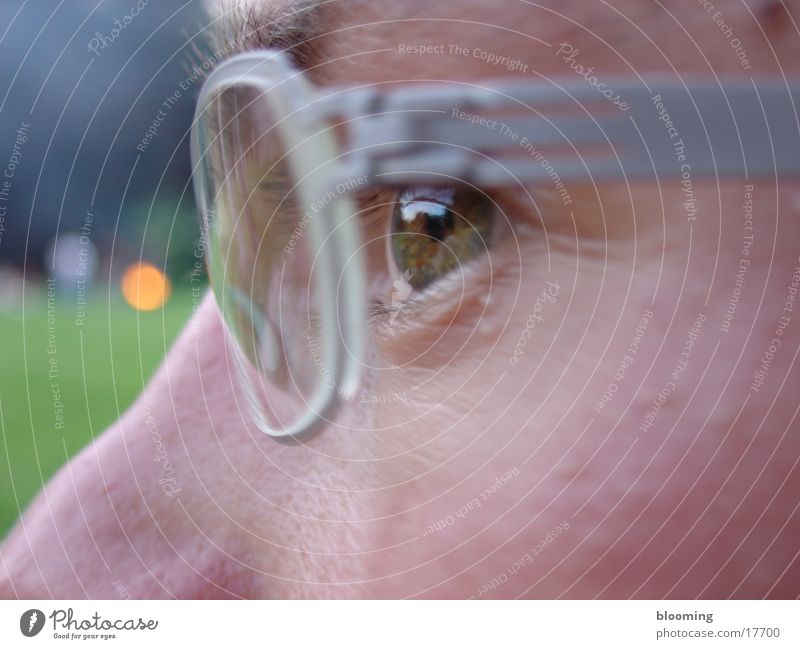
[696,488]
[459,314]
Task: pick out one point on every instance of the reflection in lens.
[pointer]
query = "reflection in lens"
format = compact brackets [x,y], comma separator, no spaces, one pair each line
[272,251]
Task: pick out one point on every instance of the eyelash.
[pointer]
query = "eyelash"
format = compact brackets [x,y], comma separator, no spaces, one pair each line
[443,195]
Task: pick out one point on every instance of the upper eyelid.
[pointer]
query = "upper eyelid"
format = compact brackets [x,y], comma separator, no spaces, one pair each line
[441,194]
[374,205]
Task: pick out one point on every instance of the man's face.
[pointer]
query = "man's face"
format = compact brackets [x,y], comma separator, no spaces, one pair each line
[564,415]
[582,409]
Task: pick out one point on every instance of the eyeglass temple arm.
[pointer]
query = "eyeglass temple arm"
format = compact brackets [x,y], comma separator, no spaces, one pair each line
[520,132]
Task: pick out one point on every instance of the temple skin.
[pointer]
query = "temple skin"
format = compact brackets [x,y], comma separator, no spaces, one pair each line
[492,478]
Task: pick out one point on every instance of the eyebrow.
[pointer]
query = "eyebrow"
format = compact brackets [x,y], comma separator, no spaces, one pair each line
[295,28]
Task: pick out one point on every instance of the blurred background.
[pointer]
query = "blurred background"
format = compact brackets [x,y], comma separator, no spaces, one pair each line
[100,262]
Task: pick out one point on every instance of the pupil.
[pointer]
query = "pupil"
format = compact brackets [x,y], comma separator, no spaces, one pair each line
[437,220]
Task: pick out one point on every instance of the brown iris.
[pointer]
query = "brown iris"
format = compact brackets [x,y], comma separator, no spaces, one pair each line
[434,231]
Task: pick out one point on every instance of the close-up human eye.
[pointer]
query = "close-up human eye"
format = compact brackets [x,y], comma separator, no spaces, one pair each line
[434,230]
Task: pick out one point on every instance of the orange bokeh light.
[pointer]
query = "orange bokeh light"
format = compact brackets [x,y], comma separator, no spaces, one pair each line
[145,287]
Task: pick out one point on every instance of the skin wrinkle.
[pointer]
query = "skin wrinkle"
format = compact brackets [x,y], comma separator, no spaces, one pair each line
[348,514]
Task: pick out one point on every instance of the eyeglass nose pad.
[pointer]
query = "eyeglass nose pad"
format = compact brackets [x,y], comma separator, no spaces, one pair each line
[269,350]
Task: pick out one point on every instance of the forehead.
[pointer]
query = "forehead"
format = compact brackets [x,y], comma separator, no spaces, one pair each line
[416,38]
[372,40]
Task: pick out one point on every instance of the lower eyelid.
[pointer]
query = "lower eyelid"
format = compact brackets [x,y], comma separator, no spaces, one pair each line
[455,296]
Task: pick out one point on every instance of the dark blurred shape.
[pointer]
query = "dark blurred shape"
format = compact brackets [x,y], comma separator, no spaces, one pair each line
[96,100]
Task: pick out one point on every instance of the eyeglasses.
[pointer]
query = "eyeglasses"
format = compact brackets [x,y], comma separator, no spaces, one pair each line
[278,163]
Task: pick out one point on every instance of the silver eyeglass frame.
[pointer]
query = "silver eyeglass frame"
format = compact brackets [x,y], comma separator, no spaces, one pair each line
[406,133]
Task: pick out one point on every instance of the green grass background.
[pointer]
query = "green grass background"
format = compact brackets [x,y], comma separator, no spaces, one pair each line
[102,367]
